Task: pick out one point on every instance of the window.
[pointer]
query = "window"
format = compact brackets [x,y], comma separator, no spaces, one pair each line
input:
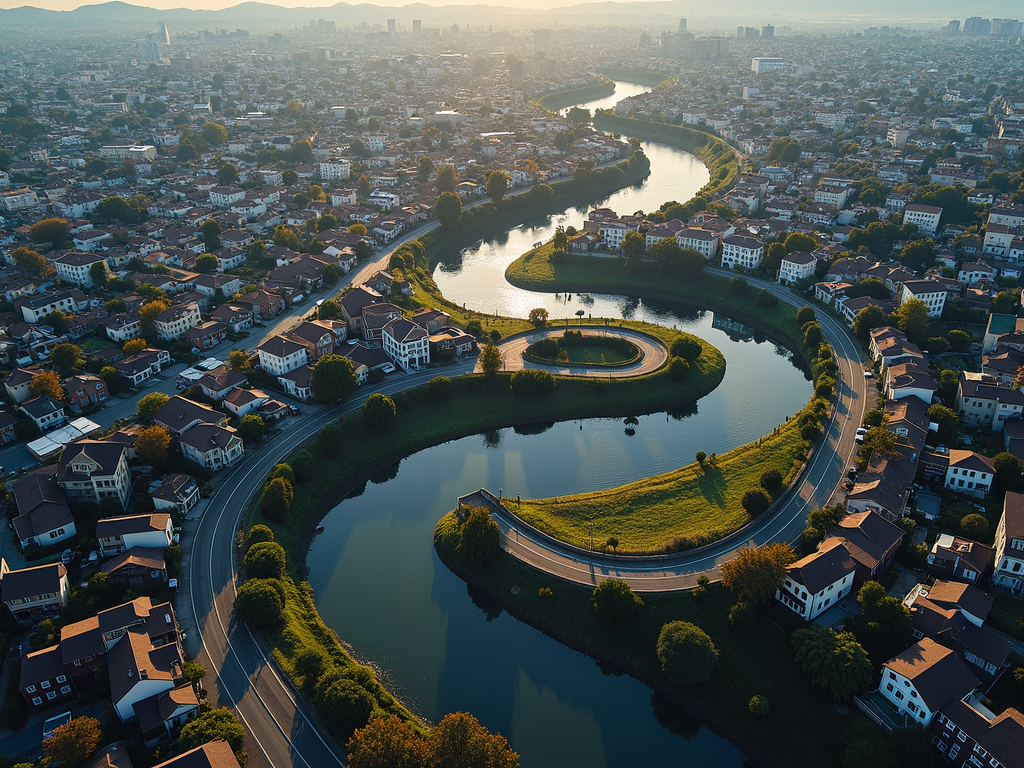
[31,689]
[77,662]
[65,689]
[962,736]
[45,684]
[62,678]
[51,695]
[37,701]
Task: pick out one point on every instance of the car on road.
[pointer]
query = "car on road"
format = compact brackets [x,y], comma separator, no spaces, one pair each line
[869,374]
[53,723]
[388,367]
[67,556]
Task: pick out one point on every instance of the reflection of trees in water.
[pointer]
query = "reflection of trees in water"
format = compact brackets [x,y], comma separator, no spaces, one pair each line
[492,438]
[533,429]
[608,669]
[491,609]
[683,412]
[629,307]
[586,299]
[673,719]
[358,491]
[386,474]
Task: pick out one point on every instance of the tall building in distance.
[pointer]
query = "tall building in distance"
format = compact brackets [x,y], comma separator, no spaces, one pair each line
[976,26]
[417,26]
[747,33]
[682,25]
[163,33]
[953,28]
[762,64]
[768,32]
[392,27]
[541,39]
[150,50]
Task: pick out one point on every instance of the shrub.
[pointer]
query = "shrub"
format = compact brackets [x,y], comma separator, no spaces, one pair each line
[825,387]
[545,592]
[758,705]
[743,617]
[767,299]
[813,335]
[329,440]
[302,464]
[529,381]
[756,501]
[276,500]
[974,526]
[810,431]
[771,481]
[738,286]
[440,388]
[678,368]
[265,560]
[343,705]
[258,534]
[259,603]
[686,347]
[479,537]
[379,411]
[545,348]
[805,315]
[614,601]
[310,663]
[686,653]
[283,470]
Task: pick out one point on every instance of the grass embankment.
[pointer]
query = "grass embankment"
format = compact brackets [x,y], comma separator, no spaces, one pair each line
[714,152]
[536,270]
[655,80]
[758,663]
[600,351]
[681,509]
[477,405]
[557,100]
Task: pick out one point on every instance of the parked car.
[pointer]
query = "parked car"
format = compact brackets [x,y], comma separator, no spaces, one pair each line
[869,374]
[851,473]
[94,556]
[67,556]
[388,367]
[53,723]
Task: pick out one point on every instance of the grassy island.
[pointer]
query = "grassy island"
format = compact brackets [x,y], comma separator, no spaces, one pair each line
[586,349]
[557,100]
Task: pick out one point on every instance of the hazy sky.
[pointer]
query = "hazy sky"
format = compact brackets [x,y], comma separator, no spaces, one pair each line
[211,5]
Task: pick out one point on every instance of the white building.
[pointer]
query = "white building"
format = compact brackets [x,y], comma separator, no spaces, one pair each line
[119,534]
[174,321]
[703,240]
[930,292]
[762,64]
[970,472]
[18,199]
[818,581]
[132,151]
[1009,554]
[924,678]
[798,265]
[76,267]
[335,169]
[279,355]
[406,343]
[925,216]
[742,251]
[613,232]
[222,197]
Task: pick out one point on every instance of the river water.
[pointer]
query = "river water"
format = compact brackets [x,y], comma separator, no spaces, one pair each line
[380,585]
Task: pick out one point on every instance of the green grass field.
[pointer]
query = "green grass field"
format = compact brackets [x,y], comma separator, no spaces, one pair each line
[758,663]
[699,505]
[594,350]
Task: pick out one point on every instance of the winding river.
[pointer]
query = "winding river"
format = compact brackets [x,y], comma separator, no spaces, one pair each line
[380,585]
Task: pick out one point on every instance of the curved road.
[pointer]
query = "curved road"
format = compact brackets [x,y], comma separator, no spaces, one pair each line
[816,488]
[655,354]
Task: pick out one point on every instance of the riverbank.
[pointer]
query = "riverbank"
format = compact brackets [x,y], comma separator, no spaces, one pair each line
[720,158]
[646,77]
[758,663]
[557,100]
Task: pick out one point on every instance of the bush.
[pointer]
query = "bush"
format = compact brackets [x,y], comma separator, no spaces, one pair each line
[756,501]
[546,348]
[739,286]
[810,431]
[678,368]
[329,441]
[529,381]
[614,601]
[310,663]
[302,464]
[343,705]
[805,315]
[259,603]
[440,388]
[285,471]
[771,481]
[379,411]
[743,617]
[479,537]
[276,501]
[686,347]
[767,299]
[974,526]
[265,560]
[686,653]
[758,705]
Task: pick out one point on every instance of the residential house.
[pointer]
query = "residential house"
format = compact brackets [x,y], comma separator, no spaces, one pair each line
[235,316]
[218,382]
[279,355]
[910,379]
[890,346]
[316,336]
[925,216]
[959,559]
[137,568]
[123,327]
[970,472]
[1008,575]
[177,492]
[35,593]
[45,412]
[139,368]
[739,250]
[211,446]
[83,391]
[207,335]
[174,321]
[818,581]
[930,292]
[262,304]
[406,343]
[702,240]
[981,402]
[17,384]
[118,534]
[796,266]
[216,754]
[44,517]
[925,678]
[77,267]
[298,383]
[92,470]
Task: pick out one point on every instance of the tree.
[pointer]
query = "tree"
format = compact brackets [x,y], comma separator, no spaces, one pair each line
[28,262]
[497,185]
[133,347]
[239,360]
[228,174]
[424,169]
[758,705]
[539,317]
[813,336]
[479,538]
[633,245]
[276,500]
[974,526]
[686,347]
[959,341]
[578,115]
[331,275]
[385,742]
[259,603]
[878,440]
[560,241]
[798,241]
[1005,303]
[113,379]
[379,411]
[193,671]
[491,360]
[259,533]
[530,381]
[251,428]
[1008,468]
[743,617]
[459,741]
[445,179]
[149,312]
[75,742]
[334,378]
[66,357]
[207,263]
[343,704]
[912,319]
[302,152]
[448,209]
[918,255]
[265,560]
[949,423]
[833,660]
[211,234]
[771,481]
[153,445]
[756,573]
[310,664]
[213,134]
[52,230]
[283,470]
[46,384]
[686,653]
[148,405]
[756,501]
[805,315]
[614,602]
[215,725]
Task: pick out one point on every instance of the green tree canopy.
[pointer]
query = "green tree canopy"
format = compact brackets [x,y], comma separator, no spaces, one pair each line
[259,603]
[832,660]
[614,601]
[479,537]
[686,653]
[265,560]
[334,378]
[912,319]
[755,573]
[448,209]
[379,411]
[215,725]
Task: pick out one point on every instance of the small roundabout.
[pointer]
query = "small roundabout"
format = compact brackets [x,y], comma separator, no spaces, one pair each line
[585,350]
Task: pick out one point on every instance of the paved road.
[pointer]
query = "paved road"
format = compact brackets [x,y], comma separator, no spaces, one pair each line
[818,486]
[655,353]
